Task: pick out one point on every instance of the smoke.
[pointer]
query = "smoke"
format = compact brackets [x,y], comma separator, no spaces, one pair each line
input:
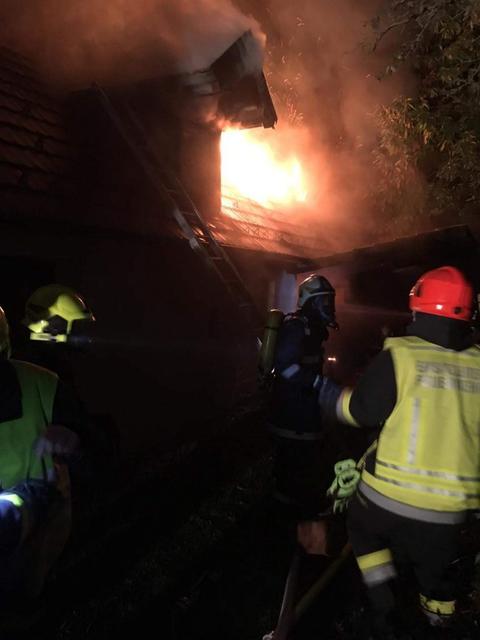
[77,42]
[327,85]
[323,76]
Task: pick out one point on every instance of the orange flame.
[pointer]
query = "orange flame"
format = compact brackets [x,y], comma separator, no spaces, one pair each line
[252,169]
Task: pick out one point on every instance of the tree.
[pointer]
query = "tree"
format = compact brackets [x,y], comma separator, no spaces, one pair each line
[428,153]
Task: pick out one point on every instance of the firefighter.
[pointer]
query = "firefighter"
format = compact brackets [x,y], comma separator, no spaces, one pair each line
[38,426]
[59,324]
[294,413]
[423,476]
[51,311]
[56,318]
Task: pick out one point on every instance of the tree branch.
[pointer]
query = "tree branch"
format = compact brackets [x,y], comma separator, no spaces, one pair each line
[394,25]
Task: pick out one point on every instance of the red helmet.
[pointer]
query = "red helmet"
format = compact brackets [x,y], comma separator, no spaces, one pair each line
[443,292]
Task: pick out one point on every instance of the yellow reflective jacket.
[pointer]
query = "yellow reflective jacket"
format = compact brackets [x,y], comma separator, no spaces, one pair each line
[17,437]
[428,454]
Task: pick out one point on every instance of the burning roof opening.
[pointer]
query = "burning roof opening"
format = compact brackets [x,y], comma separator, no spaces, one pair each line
[252,169]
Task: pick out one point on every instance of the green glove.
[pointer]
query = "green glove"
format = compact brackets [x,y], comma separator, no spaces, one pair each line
[343,487]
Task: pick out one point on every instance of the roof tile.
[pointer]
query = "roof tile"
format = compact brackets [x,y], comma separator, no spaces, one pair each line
[38,111]
[27,93]
[34,141]
[13,104]
[30,159]
[20,77]
[18,136]
[15,119]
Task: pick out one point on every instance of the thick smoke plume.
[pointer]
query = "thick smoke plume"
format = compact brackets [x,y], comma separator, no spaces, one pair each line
[328,82]
[76,42]
[323,76]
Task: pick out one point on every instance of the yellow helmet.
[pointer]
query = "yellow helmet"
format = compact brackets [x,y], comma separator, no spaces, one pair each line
[4,335]
[51,311]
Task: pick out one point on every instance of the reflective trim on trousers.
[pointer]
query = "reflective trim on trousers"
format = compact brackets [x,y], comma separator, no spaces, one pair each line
[374,559]
[378,575]
[428,473]
[295,435]
[407,511]
[376,567]
[443,607]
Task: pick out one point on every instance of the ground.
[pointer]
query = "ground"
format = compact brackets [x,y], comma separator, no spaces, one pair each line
[194,547]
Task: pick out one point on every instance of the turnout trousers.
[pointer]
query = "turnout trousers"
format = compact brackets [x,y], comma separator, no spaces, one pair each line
[381,538]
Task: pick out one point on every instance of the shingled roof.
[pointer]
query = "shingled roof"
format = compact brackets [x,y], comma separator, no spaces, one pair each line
[34,153]
[40,180]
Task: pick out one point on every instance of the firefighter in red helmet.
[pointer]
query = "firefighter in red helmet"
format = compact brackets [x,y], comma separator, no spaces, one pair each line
[423,476]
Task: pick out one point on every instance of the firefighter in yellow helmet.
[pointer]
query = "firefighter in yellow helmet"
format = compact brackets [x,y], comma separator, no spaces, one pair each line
[52,310]
[423,478]
[38,422]
[56,319]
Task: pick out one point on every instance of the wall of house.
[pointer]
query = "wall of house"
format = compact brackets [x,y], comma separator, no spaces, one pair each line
[171,352]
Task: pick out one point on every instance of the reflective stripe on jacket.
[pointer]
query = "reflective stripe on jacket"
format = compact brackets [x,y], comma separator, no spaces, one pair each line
[428,453]
[17,460]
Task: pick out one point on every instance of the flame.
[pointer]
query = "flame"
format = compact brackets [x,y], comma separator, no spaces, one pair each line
[252,169]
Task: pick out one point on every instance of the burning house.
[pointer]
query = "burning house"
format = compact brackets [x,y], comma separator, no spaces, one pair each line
[151,199]
[160,200]
[117,191]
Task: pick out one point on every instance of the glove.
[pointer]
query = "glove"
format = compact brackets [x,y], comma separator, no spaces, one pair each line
[56,441]
[343,487]
[312,536]
[328,394]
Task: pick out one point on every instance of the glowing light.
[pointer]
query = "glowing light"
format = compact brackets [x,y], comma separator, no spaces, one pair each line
[331,359]
[251,169]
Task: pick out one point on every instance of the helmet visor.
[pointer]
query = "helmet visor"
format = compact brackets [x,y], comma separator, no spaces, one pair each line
[324,304]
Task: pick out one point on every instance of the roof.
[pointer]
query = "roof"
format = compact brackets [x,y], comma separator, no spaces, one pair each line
[246,224]
[40,177]
[40,181]
[448,243]
[35,157]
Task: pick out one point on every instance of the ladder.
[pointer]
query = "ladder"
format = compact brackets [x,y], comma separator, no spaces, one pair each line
[181,206]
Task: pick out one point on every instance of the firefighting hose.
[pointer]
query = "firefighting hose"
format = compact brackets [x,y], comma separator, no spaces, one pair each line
[347,477]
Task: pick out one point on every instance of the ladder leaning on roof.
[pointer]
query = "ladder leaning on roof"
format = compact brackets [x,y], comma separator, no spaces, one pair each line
[182,208]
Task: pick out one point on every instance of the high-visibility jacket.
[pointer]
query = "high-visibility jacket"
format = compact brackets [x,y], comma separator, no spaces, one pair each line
[428,453]
[17,460]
